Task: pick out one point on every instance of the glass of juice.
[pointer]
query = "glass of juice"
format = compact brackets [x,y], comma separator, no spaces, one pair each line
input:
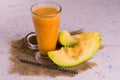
[46,20]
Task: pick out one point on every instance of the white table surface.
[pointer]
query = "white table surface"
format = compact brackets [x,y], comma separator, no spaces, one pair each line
[92,15]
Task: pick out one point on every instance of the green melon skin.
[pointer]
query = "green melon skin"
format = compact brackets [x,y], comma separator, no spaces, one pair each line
[61,58]
[66,39]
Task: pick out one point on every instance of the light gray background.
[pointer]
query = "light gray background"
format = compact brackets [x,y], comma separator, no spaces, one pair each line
[92,15]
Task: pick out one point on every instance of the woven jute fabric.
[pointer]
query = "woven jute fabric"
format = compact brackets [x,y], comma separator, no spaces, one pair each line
[19,50]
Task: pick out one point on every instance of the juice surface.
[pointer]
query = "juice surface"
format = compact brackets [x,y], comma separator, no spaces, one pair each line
[46,24]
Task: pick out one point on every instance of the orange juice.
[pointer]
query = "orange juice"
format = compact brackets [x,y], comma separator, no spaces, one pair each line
[46,22]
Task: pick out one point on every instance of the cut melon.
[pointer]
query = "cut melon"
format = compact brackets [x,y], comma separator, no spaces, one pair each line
[66,39]
[88,44]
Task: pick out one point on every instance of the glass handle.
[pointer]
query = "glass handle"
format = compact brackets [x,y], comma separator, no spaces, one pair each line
[31,41]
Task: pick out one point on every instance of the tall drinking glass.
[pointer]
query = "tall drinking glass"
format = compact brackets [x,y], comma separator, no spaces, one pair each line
[46,19]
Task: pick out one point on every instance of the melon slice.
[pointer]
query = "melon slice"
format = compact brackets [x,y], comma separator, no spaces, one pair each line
[66,39]
[88,44]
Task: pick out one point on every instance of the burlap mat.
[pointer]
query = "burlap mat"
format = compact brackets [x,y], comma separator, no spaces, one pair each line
[19,51]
